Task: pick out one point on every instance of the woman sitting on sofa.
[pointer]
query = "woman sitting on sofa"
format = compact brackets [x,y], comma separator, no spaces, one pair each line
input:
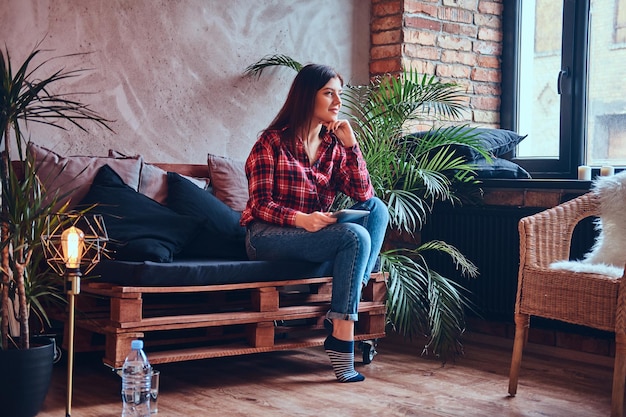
[295,169]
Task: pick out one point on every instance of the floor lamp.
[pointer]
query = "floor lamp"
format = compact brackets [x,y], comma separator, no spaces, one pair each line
[73,242]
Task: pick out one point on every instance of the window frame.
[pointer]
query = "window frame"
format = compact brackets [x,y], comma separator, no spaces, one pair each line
[572,82]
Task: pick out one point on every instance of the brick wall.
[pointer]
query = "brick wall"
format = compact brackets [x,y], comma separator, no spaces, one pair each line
[456,40]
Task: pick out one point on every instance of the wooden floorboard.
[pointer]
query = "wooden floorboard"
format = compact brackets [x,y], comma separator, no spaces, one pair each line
[399,383]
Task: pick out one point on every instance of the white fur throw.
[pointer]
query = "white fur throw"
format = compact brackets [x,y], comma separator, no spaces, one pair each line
[608,254]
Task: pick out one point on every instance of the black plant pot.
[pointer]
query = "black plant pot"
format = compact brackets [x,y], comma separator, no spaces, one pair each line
[25,379]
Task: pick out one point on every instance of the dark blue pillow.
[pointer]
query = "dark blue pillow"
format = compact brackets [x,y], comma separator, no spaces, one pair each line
[496,142]
[498,168]
[220,235]
[139,228]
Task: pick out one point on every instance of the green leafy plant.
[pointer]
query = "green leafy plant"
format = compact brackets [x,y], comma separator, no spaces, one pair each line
[26,97]
[410,174]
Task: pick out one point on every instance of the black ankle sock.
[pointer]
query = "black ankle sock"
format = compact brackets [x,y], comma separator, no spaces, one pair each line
[341,354]
[328,325]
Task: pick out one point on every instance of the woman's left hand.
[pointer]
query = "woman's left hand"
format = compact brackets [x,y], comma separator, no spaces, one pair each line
[343,130]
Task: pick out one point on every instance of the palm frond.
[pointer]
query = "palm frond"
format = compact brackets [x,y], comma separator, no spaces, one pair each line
[446,318]
[277,60]
[421,302]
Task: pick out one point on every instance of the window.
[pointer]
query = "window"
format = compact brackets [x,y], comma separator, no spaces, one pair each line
[620,21]
[564,62]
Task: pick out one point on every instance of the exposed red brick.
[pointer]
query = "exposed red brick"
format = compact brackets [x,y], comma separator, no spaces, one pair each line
[385,66]
[490,7]
[487,89]
[462,4]
[420,66]
[487,61]
[386,9]
[484,117]
[458,57]
[422,23]
[458,41]
[387,37]
[455,43]
[488,48]
[453,71]
[488,34]
[386,23]
[420,37]
[482,74]
[459,29]
[386,51]
[488,20]
[418,7]
[453,14]
[422,52]
[485,103]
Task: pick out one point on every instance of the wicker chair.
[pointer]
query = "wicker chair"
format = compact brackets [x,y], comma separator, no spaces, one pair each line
[588,299]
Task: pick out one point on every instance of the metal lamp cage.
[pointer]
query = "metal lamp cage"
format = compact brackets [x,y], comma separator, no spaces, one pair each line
[95,239]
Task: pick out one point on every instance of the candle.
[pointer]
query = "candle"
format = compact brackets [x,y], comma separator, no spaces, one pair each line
[606,171]
[584,172]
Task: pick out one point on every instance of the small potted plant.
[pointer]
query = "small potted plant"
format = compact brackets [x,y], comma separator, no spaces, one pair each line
[26,287]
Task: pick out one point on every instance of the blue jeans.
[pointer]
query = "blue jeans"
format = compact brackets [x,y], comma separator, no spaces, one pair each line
[352,247]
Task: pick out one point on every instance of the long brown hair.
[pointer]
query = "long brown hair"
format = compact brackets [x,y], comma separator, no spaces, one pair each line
[296,114]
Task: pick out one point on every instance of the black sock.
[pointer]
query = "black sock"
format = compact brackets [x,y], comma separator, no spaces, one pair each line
[328,325]
[341,354]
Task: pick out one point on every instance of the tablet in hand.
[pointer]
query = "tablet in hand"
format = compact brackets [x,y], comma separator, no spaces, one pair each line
[349,215]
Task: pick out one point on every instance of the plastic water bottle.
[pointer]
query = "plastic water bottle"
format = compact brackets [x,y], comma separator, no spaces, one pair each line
[136,379]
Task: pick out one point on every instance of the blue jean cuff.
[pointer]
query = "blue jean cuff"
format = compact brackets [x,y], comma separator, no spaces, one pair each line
[341,316]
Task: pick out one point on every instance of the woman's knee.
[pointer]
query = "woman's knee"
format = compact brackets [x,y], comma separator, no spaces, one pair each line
[357,235]
[378,211]
[379,206]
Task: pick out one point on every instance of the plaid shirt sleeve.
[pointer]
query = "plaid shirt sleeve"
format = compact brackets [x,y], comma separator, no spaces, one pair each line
[260,170]
[353,178]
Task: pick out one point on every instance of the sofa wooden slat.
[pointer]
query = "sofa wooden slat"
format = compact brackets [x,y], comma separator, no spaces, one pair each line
[108,289]
[222,319]
[208,352]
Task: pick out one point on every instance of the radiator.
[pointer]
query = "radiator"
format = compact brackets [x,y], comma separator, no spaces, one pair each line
[488,236]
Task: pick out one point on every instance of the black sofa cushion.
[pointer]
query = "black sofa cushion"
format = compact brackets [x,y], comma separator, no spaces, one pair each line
[220,235]
[139,228]
[205,272]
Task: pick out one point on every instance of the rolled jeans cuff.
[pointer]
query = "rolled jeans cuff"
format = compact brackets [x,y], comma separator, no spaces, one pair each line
[341,316]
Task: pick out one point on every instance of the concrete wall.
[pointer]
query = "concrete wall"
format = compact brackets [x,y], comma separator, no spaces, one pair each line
[169,72]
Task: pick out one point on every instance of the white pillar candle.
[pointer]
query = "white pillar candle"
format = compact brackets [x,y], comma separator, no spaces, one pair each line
[584,172]
[606,171]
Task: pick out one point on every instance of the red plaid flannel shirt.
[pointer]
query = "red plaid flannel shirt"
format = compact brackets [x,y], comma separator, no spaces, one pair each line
[282,182]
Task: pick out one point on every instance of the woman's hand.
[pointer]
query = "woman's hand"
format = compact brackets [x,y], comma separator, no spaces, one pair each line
[314,221]
[343,130]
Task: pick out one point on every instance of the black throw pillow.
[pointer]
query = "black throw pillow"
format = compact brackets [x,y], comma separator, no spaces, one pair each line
[139,228]
[220,234]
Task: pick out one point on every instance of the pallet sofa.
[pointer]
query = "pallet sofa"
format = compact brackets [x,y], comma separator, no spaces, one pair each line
[212,302]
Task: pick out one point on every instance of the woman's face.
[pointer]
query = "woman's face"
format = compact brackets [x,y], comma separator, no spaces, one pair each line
[328,102]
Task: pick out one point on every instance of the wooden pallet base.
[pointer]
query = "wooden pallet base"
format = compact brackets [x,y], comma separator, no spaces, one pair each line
[188,323]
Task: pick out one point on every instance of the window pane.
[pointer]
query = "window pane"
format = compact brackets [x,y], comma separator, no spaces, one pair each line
[606,91]
[539,106]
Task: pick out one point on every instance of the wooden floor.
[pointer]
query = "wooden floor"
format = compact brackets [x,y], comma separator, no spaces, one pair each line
[399,383]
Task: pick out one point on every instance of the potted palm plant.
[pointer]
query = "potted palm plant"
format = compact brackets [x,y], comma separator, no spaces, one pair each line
[411,174]
[26,287]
